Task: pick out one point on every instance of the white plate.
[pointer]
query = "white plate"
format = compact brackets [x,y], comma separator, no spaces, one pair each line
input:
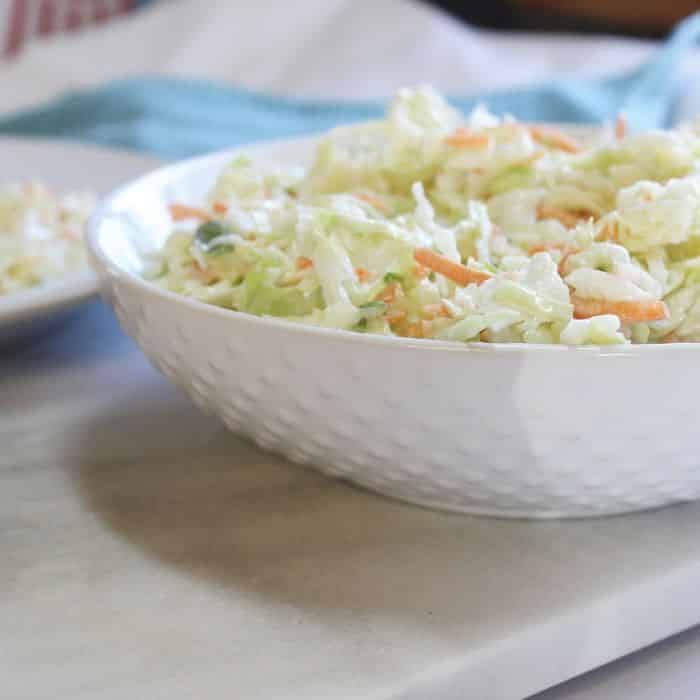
[64,166]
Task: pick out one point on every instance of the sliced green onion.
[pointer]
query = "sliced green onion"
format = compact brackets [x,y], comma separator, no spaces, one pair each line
[208,231]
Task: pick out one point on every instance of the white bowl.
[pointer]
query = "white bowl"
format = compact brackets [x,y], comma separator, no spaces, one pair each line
[65,166]
[507,430]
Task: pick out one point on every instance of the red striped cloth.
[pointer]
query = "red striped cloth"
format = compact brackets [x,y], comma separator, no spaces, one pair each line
[25,19]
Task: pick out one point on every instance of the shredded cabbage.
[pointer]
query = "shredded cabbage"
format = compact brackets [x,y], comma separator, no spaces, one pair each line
[430,224]
[41,235]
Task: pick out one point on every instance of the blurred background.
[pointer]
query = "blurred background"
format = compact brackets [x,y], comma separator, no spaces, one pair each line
[626,17]
[21,20]
[548,60]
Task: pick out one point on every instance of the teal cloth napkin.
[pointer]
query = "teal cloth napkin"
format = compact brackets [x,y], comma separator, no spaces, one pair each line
[175,118]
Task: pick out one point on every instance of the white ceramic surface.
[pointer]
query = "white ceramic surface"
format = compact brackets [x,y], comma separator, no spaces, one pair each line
[64,166]
[507,430]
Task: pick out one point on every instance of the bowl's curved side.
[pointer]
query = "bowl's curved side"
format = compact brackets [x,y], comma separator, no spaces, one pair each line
[510,434]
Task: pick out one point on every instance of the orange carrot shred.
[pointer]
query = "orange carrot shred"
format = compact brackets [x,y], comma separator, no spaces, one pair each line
[362,274]
[180,212]
[395,315]
[554,138]
[426,329]
[302,262]
[620,127]
[628,311]
[388,295]
[562,267]
[219,207]
[466,138]
[430,311]
[412,330]
[461,274]
[567,250]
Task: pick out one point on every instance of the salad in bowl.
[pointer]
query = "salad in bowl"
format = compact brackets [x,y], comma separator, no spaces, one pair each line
[430,224]
[468,313]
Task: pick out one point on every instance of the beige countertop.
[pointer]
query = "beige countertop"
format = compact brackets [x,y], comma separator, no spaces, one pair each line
[147,553]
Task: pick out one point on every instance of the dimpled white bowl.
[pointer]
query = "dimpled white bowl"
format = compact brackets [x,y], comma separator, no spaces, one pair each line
[495,429]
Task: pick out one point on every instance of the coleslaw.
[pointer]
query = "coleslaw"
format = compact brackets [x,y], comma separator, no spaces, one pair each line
[429,224]
[41,235]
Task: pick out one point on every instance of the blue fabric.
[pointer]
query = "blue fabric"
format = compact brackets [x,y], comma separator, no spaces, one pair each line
[176,118]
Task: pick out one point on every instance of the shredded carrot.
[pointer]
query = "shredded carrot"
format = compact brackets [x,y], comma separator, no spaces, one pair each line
[395,315]
[561,268]
[430,311]
[426,329]
[620,127]
[219,207]
[362,274]
[388,295]
[302,262]
[554,138]
[628,311]
[567,250]
[180,212]
[461,274]
[373,200]
[466,138]
[412,330]
[565,216]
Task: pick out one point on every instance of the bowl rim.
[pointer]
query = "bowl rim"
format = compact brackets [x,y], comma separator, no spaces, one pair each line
[102,262]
